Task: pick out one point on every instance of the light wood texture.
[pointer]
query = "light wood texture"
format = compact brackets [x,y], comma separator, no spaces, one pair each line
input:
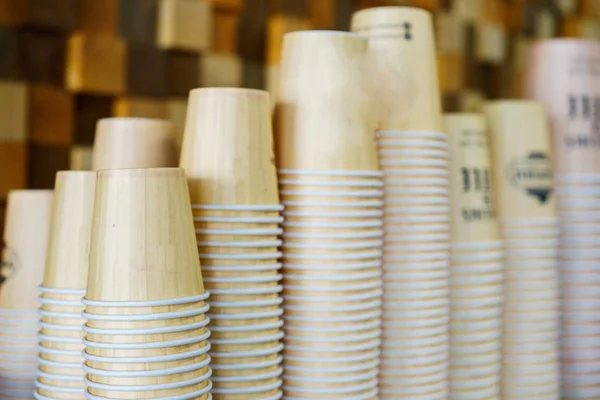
[51,115]
[81,158]
[26,240]
[473,213]
[522,159]
[14,157]
[184,25]
[14,110]
[573,69]
[71,230]
[133,143]
[143,240]
[95,64]
[221,70]
[139,107]
[324,118]
[100,16]
[277,27]
[403,71]
[225,33]
[228,147]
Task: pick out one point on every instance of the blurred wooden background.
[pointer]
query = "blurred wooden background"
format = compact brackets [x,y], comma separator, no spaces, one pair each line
[66,63]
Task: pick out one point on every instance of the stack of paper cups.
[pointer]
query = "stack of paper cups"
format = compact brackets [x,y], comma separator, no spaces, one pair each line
[331,188]
[572,104]
[228,158]
[146,330]
[527,214]
[476,264]
[23,259]
[65,278]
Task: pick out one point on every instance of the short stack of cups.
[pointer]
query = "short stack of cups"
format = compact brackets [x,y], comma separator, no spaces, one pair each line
[415,263]
[23,259]
[332,282]
[146,333]
[476,264]
[526,207]
[60,337]
[237,216]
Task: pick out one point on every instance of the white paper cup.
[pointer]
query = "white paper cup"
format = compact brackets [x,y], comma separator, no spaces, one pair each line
[479,257]
[476,268]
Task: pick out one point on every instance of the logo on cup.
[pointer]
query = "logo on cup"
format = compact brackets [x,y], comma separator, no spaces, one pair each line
[532,173]
[9,263]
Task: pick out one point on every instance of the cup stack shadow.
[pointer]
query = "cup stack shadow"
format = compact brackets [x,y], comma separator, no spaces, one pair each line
[228,157]
[476,264]
[565,76]
[23,259]
[413,153]
[330,186]
[59,373]
[146,330]
[526,207]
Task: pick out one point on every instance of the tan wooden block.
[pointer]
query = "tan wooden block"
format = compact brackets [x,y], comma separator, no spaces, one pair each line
[184,25]
[494,11]
[451,72]
[139,107]
[221,70]
[14,102]
[95,64]
[13,158]
[100,16]
[450,32]
[233,6]
[225,32]
[51,115]
[431,5]
[322,13]
[589,8]
[81,158]
[13,12]
[491,43]
[277,27]
[468,10]
[585,28]
[176,113]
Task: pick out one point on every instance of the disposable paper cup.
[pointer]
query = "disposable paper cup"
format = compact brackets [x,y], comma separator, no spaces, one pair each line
[476,268]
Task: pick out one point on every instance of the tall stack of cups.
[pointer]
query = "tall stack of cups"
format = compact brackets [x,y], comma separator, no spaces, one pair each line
[573,104]
[228,157]
[476,264]
[134,143]
[61,326]
[331,189]
[23,260]
[526,208]
[413,153]
[146,330]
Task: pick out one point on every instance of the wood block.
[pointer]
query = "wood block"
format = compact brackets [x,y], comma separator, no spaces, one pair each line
[51,115]
[468,10]
[182,73]
[225,33]
[343,13]
[288,7]
[494,11]
[59,15]
[13,158]
[272,82]
[41,57]
[451,72]
[231,6]
[252,30]
[96,64]
[254,75]
[80,158]
[100,16]
[9,54]
[139,107]
[88,110]
[14,103]
[13,12]
[184,25]
[450,33]
[137,21]
[176,112]
[491,43]
[278,26]
[44,162]
[589,8]
[321,13]
[581,27]
[146,71]
[431,5]
[221,70]
[567,7]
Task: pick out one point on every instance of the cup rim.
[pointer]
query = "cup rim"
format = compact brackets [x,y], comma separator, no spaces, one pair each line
[249,378]
[148,387]
[334,236]
[252,303]
[51,388]
[240,232]
[242,256]
[411,142]
[488,245]
[240,244]
[316,172]
[146,331]
[325,214]
[146,373]
[146,303]
[239,220]
[238,207]
[245,366]
[249,390]
[336,289]
[245,279]
[346,308]
[187,396]
[147,317]
[326,390]
[248,353]
[333,267]
[147,345]
[333,193]
[57,364]
[68,291]
[378,223]
[334,204]
[145,359]
[244,328]
[372,354]
[334,380]
[242,268]
[357,183]
[258,315]
[366,244]
[346,318]
[45,375]
[250,340]
[248,291]
[419,134]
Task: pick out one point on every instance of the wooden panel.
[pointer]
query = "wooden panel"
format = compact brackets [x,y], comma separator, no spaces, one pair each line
[221,70]
[278,26]
[146,71]
[139,107]
[232,6]
[288,7]
[60,15]
[41,56]
[137,21]
[88,110]
[491,43]
[9,55]
[451,72]
[321,13]
[12,12]
[96,64]
[431,5]
[184,25]
[343,13]
[13,158]
[13,112]
[100,16]
[44,162]
[51,115]
[252,30]
[80,158]
[182,73]
[254,75]
[225,33]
